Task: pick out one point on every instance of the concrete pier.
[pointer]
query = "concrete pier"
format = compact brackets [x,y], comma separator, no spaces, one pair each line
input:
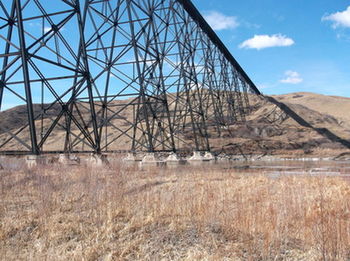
[34,160]
[68,159]
[62,159]
[196,156]
[97,160]
[208,156]
[173,158]
[130,157]
[150,158]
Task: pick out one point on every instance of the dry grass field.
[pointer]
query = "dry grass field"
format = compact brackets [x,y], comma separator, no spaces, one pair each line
[189,213]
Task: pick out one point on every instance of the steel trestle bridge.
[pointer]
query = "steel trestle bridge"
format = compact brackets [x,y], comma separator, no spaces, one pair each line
[110,75]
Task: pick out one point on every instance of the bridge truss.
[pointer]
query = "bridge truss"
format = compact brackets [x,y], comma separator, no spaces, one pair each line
[114,75]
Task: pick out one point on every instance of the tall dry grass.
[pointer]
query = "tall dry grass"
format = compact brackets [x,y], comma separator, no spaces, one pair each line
[121,213]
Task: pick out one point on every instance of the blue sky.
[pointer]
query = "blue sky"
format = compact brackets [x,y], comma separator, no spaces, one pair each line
[284,45]
[287,46]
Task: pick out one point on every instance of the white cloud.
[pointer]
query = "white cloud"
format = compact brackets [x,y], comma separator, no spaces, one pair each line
[34,24]
[47,29]
[339,19]
[219,21]
[266,41]
[292,77]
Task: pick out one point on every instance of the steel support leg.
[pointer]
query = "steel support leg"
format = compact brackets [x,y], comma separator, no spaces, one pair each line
[24,57]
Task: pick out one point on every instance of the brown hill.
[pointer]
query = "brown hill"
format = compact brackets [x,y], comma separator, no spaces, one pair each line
[335,106]
[267,130]
[271,130]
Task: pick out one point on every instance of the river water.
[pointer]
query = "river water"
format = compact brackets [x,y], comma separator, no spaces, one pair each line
[269,167]
[273,168]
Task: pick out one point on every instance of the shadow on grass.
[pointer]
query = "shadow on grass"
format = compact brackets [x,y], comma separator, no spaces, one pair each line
[322,131]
